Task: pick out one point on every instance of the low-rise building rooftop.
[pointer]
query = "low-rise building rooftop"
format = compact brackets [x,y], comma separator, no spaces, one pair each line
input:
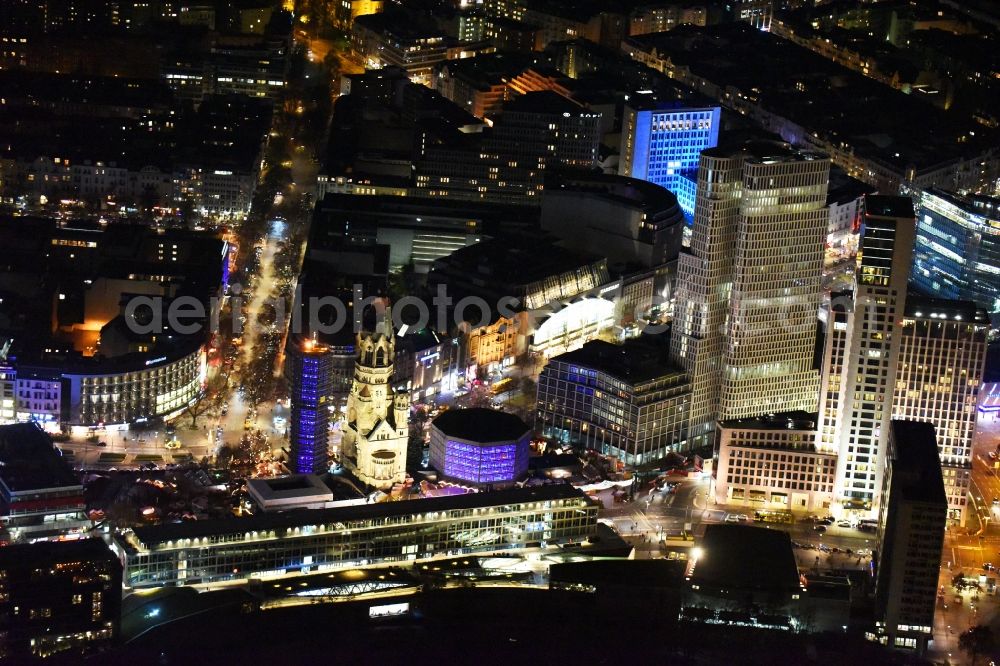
[29,461]
[481,425]
[737,557]
[152,535]
[634,362]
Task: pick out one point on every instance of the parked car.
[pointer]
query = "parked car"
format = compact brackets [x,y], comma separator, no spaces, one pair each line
[988,566]
[844,523]
[820,528]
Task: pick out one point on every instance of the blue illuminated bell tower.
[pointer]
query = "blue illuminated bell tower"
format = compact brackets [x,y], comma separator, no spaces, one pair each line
[310,377]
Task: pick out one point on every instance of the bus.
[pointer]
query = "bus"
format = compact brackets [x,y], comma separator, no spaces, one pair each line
[502,386]
[868,525]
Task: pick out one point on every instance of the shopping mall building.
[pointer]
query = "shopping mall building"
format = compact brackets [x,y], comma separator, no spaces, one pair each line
[272,545]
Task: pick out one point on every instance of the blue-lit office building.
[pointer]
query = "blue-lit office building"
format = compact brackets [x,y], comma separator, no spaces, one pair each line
[309,376]
[480,447]
[957,251]
[662,145]
[626,401]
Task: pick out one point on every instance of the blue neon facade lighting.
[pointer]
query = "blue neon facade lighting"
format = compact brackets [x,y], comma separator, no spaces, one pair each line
[481,462]
[957,250]
[666,145]
[309,381]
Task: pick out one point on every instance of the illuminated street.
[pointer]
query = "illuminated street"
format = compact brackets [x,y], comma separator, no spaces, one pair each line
[668,514]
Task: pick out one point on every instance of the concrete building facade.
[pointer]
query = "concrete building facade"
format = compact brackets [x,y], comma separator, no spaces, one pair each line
[942,358]
[872,356]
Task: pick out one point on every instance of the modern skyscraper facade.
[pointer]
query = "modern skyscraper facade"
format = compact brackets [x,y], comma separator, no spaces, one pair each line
[663,145]
[910,537]
[310,376]
[748,291]
[942,357]
[957,253]
[704,280]
[776,294]
[886,247]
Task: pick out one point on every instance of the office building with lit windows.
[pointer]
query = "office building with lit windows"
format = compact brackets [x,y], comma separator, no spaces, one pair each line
[942,358]
[662,17]
[546,123]
[96,346]
[134,387]
[625,401]
[58,598]
[507,163]
[888,228]
[310,375]
[833,378]
[273,545]
[663,145]
[772,462]
[388,39]
[957,253]
[255,66]
[748,290]
[910,538]
[481,447]
[417,230]
[768,359]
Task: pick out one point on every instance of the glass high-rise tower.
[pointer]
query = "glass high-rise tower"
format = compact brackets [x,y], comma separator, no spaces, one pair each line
[768,358]
[957,253]
[663,146]
[310,375]
[748,291]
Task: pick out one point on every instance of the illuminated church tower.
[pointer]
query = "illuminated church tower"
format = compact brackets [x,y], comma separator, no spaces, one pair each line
[376,430]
